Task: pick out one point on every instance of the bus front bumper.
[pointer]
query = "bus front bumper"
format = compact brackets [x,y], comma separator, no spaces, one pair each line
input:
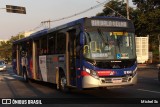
[91,82]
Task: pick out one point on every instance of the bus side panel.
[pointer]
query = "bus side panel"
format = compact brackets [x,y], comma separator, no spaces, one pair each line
[18,62]
[43,67]
[17,69]
[52,63]
[62,63]
[30,68]
[14,64]
[78,74]
[48,65]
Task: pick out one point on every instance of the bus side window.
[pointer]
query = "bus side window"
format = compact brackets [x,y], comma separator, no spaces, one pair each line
[51,43]
[29,48]
[61,43]
[44,49]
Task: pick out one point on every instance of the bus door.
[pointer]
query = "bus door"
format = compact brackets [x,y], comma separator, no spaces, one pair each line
[72,57]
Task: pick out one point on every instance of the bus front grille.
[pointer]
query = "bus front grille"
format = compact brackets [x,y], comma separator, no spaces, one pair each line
[110,80]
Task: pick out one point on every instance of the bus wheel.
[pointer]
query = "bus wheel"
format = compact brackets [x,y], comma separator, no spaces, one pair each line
[63,83]
[25,77]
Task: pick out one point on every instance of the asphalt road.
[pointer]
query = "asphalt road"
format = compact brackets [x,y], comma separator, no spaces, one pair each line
[148,87]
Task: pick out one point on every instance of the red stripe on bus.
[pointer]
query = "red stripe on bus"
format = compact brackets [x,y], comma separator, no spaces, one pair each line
[84,73]
[55,59]
[104,73]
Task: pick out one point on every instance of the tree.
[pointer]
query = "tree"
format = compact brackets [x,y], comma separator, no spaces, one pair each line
[115,8]
[14,38]
[6,47]
[146,18]
[147,21]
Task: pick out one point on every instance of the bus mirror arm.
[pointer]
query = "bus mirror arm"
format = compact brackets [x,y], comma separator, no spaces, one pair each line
[81,38]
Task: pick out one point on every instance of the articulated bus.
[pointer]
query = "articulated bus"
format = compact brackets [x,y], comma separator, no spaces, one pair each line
[96,52]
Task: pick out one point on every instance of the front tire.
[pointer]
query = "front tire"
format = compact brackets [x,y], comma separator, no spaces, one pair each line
[62,84]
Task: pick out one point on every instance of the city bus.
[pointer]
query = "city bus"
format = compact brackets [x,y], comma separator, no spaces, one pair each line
[95,52]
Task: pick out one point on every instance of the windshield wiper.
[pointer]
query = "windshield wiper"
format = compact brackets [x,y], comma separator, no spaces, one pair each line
[102,37]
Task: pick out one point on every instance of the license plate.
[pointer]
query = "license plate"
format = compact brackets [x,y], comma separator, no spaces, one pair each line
[116,80]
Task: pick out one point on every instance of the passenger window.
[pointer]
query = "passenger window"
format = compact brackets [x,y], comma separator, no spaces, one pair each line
[44,49]
[61,43]
[51,43]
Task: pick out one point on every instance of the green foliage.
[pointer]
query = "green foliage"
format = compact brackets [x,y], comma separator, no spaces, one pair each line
[146,17]
[6,47]
[116,5]
[119,6]
[147,22]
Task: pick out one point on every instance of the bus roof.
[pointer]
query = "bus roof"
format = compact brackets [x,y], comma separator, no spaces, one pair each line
[79,21]
[32,36]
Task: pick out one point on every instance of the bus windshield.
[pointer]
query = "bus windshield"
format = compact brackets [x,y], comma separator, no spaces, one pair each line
[102,45]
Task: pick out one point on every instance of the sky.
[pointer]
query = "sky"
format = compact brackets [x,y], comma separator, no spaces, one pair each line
[37,11]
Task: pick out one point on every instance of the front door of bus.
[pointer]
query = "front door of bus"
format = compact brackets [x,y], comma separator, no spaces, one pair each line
[72,57]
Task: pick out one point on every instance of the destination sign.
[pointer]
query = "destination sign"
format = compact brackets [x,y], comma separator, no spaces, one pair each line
[108,23]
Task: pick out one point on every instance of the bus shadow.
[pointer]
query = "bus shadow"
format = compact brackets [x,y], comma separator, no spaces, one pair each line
[41,89]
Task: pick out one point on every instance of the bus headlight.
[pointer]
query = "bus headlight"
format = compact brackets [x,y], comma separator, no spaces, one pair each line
[130,72]
[134,72]
[91,72]
[4,66]
[94,74]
